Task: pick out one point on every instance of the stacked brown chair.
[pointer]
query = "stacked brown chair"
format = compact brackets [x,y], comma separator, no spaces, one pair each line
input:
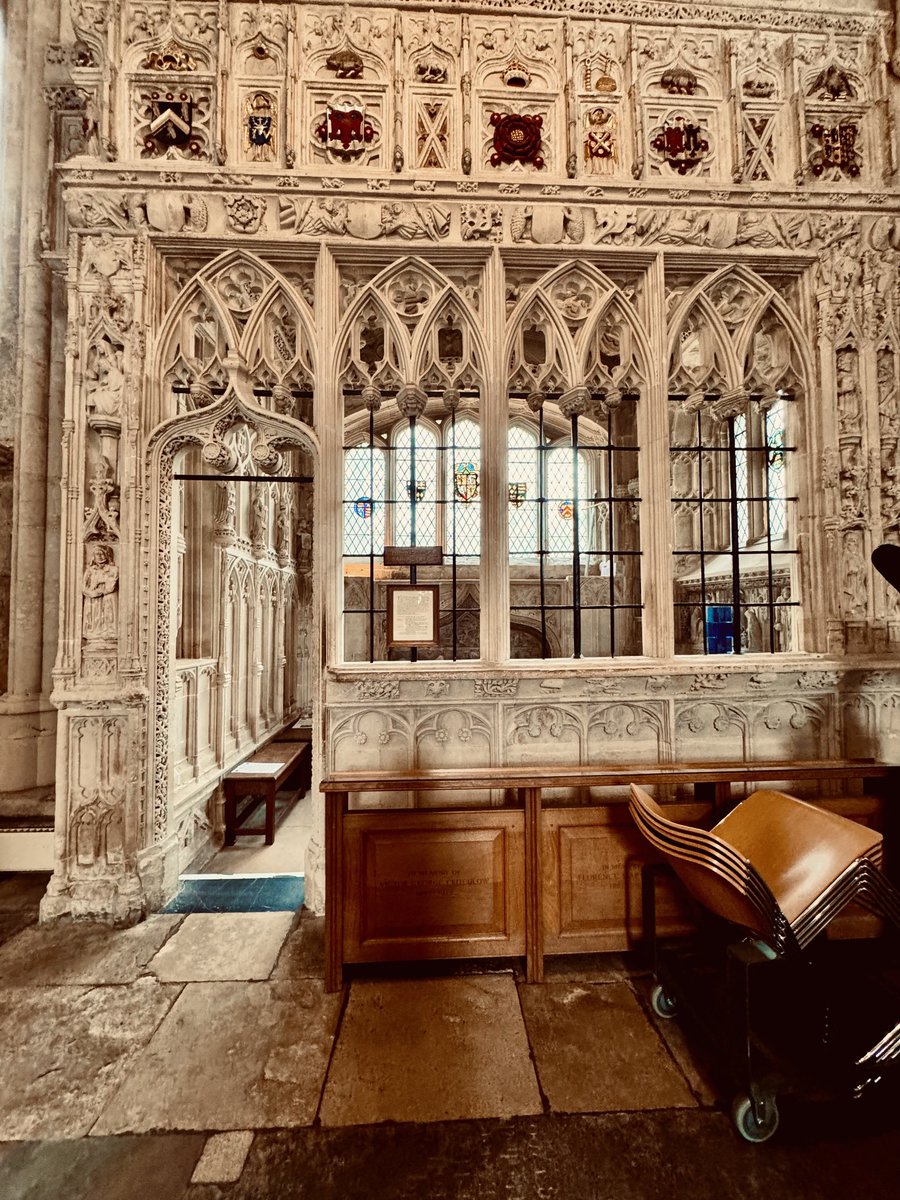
[781,870]
[775,865]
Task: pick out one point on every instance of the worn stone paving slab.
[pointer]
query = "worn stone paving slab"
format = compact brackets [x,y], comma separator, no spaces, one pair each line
[129,1168]
[223,946]
[303,953]
[430,1050]
[584,968]
[65,1050]
[235,1055]
[680,1154]
[70,953]
[596,1051]
[686,1047]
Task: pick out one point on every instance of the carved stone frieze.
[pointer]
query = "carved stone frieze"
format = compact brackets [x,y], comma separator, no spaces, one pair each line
[313,218]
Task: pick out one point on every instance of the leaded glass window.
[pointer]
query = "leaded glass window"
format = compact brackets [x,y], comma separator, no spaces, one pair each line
[414,495]
[364,487]
[462,487]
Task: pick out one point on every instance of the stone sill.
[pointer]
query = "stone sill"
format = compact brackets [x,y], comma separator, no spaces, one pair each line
[681,665]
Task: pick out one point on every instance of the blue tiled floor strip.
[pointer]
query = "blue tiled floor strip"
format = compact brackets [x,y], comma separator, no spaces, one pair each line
[257,893]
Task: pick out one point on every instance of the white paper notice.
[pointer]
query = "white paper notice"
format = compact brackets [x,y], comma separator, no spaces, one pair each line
[413,616]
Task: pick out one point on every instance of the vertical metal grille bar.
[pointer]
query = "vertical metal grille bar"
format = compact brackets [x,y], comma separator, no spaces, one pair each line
[372,535]
[735,542]
[453,577]
[702,539]
[542,512]
[770,572]
[610,493]
[413,651]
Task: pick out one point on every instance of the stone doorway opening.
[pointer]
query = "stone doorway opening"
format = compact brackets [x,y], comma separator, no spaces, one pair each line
[236,588]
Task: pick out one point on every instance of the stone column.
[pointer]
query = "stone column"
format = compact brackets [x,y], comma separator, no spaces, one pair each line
[27,721]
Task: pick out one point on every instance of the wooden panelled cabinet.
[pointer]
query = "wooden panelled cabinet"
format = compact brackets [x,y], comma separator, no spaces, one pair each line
[457,880]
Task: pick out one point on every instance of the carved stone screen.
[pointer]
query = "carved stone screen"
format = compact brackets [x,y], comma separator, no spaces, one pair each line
[603,304]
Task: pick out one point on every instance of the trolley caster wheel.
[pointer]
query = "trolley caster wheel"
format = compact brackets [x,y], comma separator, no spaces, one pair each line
[746,1123]
[663,1005]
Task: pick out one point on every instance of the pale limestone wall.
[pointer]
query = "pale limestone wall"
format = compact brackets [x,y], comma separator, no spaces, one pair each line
[171,264]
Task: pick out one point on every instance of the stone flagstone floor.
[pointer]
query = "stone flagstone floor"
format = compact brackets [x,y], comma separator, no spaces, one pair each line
[198,1058]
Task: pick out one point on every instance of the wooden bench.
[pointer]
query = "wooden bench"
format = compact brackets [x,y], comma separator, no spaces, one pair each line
[257,781]
[524,876]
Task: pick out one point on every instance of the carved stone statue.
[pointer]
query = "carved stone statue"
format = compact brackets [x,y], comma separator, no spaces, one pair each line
[100,585]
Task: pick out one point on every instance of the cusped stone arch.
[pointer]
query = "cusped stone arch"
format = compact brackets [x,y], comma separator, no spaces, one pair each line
[212,325]
[379,737]
[261,57]
[749,306]
[539,352]
[427,60]
[412,286]
[532,64]
[833,82]
[448,348]
[680,75]
[372,349]
[202,428]
[375,68]
[278,346]
[700,351]
[615,332]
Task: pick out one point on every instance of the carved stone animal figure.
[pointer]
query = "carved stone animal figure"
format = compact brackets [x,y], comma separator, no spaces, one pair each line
[345,63]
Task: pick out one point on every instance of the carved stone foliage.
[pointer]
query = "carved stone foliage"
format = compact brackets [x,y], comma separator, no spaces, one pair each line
[245,214]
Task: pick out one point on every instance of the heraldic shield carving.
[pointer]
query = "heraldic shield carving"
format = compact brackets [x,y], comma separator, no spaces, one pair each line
[171,119]
[345,129]
[516,139]
[836,149]
[681,143]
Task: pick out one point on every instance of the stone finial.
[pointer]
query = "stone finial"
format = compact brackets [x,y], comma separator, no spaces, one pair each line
[411,400]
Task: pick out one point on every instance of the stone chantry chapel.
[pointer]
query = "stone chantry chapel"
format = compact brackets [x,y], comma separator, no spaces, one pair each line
[484,385]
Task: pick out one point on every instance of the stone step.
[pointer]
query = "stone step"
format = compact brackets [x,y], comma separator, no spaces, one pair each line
[26,843]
